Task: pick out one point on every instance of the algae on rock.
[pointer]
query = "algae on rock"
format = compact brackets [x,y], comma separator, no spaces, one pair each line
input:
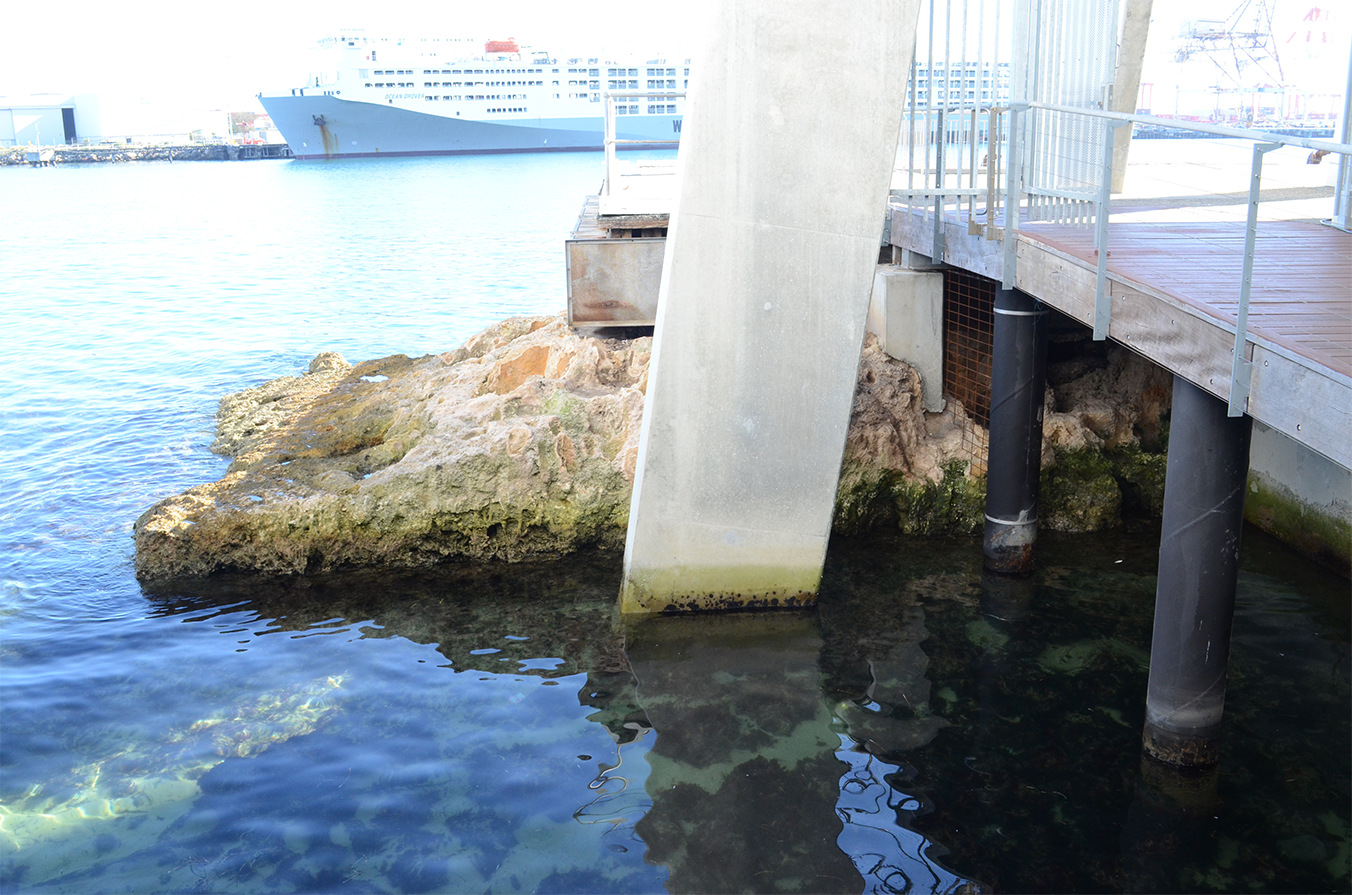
[520,444]
[523,444]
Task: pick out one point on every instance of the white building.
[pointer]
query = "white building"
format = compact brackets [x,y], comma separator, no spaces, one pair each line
[49,119]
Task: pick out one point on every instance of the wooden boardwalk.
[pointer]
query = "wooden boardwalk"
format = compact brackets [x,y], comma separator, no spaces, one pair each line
[1301,293]
[1175,289]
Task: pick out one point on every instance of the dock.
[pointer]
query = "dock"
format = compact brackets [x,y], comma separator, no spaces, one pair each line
[98,153]
[1175,298]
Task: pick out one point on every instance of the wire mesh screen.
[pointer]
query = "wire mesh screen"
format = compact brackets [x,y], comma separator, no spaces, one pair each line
[969,326]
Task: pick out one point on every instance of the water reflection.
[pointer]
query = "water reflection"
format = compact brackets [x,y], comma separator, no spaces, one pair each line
[925,729]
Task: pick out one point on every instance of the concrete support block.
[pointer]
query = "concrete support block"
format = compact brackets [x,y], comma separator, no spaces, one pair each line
[1198,569]
[770,257]
[906,313]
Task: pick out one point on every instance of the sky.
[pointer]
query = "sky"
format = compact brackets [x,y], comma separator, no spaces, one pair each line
[155,54]
[223,54]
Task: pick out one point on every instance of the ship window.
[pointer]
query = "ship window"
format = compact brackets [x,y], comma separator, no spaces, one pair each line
[633,85]
[368,85]
[621,110]
[633,72]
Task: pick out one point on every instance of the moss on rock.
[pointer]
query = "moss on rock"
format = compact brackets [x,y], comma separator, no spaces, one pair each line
[1079,493]
[955,505]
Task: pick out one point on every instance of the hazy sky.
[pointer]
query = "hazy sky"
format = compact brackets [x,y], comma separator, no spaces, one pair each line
[219,57]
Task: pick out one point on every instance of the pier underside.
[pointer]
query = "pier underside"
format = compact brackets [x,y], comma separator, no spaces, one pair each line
[1175,291]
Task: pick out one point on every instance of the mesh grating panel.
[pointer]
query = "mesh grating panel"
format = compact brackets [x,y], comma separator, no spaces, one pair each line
[969,326]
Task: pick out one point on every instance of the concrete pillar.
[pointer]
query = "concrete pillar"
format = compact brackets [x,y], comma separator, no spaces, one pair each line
[786,157]
[1014,461]
[906,313]
[1198,567]
[1127,80]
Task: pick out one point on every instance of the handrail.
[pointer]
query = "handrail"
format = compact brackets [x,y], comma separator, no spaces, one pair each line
[611,141]
[1219,130]
[1015,190]
[1241,367]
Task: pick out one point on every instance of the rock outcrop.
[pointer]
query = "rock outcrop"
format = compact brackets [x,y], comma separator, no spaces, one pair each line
[523,444]
[520,444]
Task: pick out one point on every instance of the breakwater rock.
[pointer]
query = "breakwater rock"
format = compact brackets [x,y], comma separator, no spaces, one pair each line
[119,152]
[523,444]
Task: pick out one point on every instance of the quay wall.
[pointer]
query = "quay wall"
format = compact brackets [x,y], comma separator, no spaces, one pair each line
[130,152]
[1301,498]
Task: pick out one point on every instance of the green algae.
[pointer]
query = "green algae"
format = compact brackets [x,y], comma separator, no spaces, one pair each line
[1073,658]
[982,634]
[954,505]
[1079,493]
[1320,536]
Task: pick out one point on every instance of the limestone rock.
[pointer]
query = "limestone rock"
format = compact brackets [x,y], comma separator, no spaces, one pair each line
[520,444]
[523,443]
[902,465]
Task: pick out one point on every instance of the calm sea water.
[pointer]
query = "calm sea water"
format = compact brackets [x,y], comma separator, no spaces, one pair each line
[926,728]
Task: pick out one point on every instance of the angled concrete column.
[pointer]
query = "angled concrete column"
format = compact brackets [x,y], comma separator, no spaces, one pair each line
[786,154]
[1199,565]
[1014,458]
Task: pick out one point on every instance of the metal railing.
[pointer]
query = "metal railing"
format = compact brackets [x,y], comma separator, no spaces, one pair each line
[612,141]
[1016,191]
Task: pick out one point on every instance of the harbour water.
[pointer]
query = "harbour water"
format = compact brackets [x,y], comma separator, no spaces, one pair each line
[925,729]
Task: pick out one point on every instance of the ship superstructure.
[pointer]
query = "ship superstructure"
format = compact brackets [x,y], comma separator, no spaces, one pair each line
[429,96]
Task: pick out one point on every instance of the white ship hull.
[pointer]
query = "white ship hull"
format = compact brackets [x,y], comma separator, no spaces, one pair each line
[317,127]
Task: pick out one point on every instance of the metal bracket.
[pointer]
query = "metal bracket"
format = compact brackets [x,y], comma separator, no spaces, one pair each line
[1103,300]
[1241,368]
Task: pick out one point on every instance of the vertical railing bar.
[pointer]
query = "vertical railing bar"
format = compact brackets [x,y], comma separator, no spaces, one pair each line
[1103,300]
[961,107]
[910,127]
[1241,368]
[993,158]
[610,140]
[1342,197]
[1013,188]
[929,96]
[938,238]
[941,161]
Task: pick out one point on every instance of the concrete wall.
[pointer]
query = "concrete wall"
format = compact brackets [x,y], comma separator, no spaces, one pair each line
[786,155]
[906,313]
[1300,497]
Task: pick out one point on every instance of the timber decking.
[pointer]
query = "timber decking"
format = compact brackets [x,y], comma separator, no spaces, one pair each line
[1301,291]
[1175,293]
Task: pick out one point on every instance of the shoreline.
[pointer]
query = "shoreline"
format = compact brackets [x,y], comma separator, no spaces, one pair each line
[133,152]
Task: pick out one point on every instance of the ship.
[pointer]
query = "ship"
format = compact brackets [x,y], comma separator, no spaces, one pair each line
[379,97]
